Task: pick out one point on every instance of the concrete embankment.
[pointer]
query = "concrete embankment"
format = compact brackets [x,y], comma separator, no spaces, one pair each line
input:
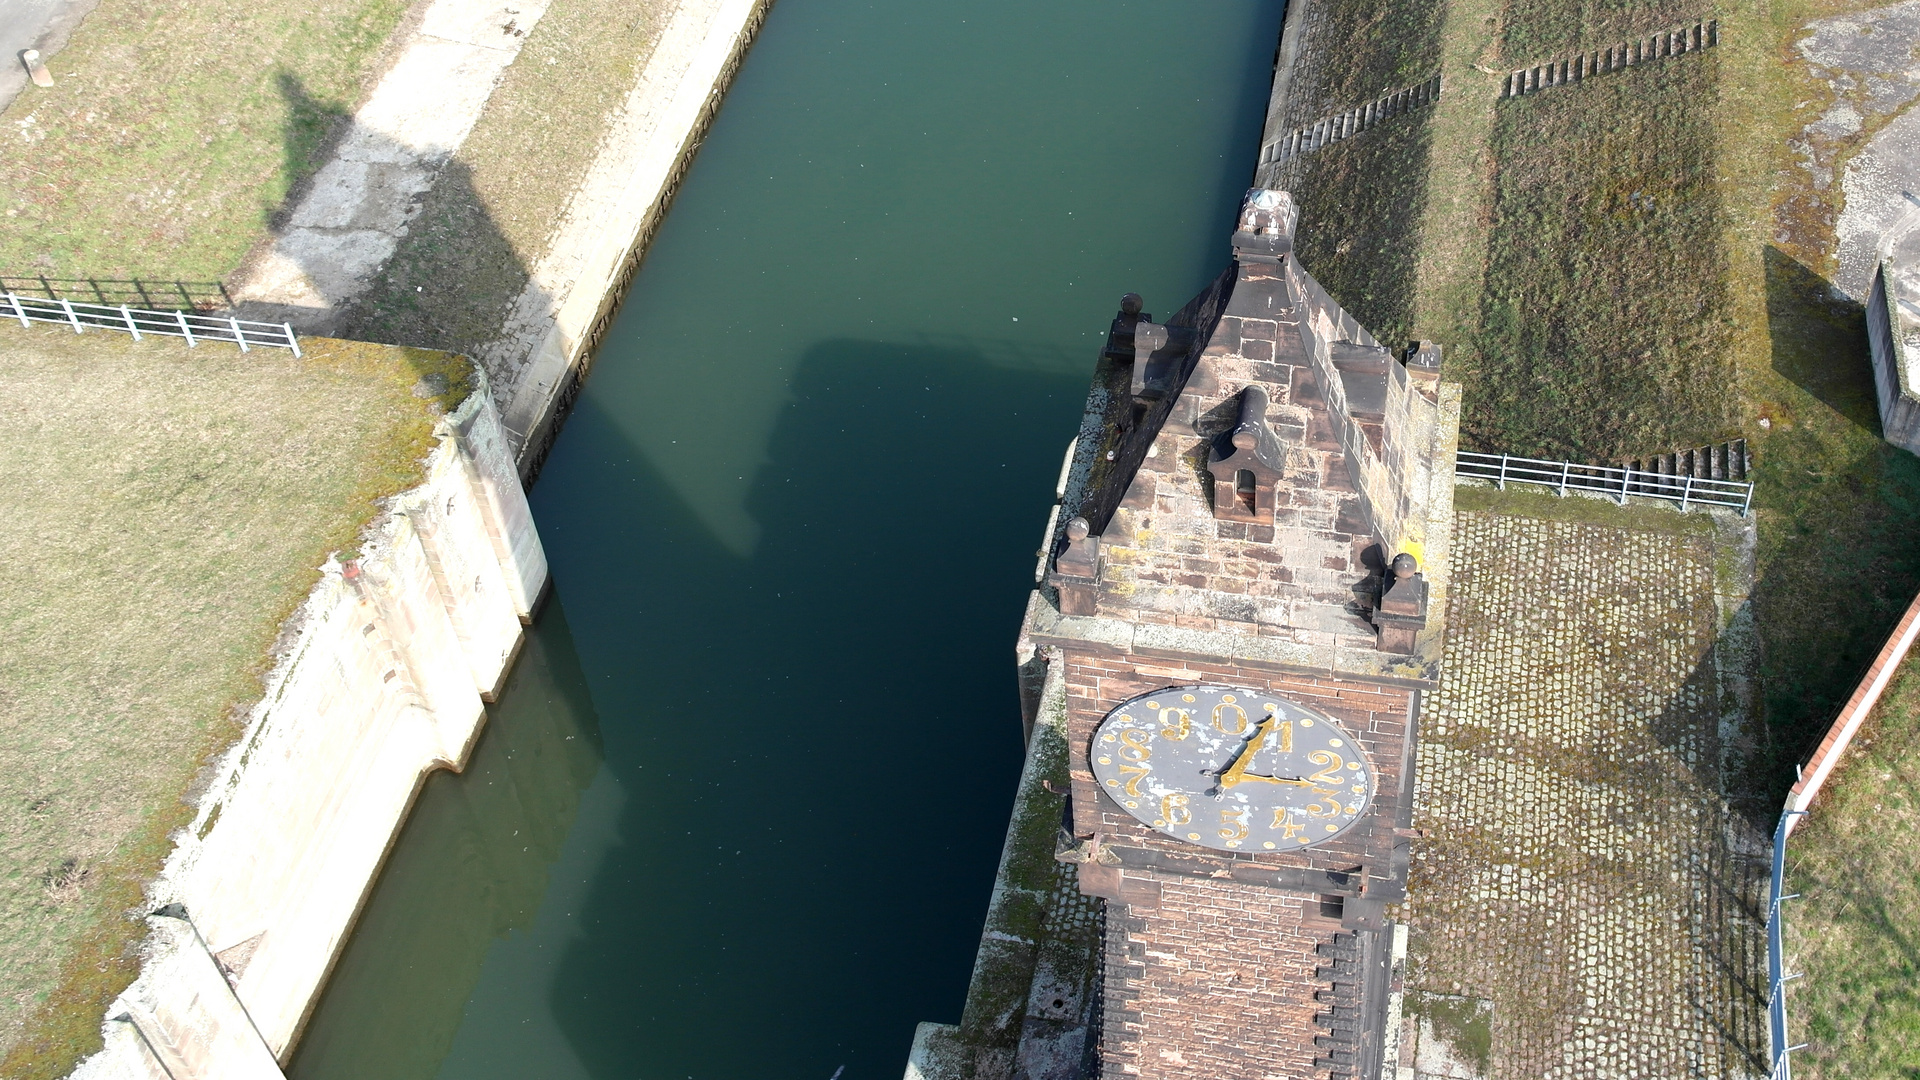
[380,679]
[385,667]
[574,291]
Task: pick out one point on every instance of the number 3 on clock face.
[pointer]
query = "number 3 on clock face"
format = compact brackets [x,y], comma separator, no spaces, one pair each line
[1231,769]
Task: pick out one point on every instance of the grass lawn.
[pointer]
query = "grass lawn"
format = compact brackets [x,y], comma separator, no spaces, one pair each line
[1638,263]
[1856,929]
[1629,265]
[174,131]
[168,508]
[172,137]
[1604,310]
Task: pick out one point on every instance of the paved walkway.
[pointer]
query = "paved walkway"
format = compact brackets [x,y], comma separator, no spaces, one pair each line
[34,24]
[1582,905]
[358,208]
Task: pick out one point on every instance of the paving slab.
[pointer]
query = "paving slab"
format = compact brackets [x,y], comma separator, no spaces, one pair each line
[1582,904]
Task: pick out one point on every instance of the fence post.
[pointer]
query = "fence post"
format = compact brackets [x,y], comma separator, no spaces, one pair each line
[1502,482]
[132,327]
[71,317]
[19,311]
[1626,481]
[292,341]
[185,330]
[1564,466]
[1746,502]
[1686,491]
[237,335]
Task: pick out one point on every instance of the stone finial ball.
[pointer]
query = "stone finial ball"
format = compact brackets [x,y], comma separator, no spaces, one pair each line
[1130,304]
[1077,529]
[1404,565]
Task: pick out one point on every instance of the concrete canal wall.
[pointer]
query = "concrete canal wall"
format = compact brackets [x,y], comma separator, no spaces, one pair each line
[386,666]
[380,678]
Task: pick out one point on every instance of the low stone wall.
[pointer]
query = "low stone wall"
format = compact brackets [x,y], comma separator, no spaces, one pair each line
[1833,747]
[1893,369]
[380,680]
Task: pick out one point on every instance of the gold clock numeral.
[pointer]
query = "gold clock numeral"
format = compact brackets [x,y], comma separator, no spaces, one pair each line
[1283,820]
[1174,809]
[1286,736]
[1219,716]
[1234,823]
[1333,765]
[1182,721]
[1134,746]
[1332,807]
[1133,773]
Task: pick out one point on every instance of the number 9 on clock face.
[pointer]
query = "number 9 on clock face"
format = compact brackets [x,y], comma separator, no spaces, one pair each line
[1230,769]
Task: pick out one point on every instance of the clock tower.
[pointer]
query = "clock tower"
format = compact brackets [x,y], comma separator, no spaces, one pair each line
[1242,598]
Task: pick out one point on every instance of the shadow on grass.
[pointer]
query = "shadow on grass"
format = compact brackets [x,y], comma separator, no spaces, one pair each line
[1837,371]
[313,131]
[1361,201]
[1837,560]
[449,273]
[1358,50]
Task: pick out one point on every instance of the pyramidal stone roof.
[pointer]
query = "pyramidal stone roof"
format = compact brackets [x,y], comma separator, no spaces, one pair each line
[1258,478]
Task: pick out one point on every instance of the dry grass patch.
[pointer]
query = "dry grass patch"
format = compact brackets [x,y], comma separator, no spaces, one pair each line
[168,508]
[174,131]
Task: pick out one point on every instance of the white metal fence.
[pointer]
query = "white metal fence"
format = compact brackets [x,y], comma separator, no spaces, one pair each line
[195,328]
[1616,483]
[1777,978]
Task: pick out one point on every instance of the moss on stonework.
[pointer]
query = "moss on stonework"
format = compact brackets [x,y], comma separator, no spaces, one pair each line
[1464,1024]
[1018,917]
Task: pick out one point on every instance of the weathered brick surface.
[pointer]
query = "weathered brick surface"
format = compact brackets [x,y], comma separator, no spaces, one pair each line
[1348,485]
[1303,575]
[1217,983]
[1218,964]
[1582,874]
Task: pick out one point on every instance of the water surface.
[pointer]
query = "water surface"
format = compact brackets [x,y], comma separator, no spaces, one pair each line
[738,812]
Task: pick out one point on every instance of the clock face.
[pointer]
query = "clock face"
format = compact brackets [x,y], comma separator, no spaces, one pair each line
[1235,770]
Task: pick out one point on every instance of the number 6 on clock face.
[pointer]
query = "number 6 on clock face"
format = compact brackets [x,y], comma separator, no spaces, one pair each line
[1232,769]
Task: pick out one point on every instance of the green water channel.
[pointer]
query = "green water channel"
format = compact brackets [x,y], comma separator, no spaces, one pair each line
[738,812]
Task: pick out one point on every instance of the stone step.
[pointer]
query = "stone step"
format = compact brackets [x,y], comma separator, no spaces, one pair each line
[1729,460]
[1310,137]
[1567,70]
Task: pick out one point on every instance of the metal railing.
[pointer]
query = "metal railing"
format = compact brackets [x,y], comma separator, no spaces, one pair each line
[1777,978]
[195,328]
[1616,483]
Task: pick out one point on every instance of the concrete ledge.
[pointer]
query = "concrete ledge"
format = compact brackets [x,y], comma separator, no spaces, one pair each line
[390,658]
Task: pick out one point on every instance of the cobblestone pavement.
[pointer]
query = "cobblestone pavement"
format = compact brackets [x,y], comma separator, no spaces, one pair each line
[1582,889]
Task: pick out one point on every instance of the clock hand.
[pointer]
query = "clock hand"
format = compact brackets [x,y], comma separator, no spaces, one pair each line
[1236,770]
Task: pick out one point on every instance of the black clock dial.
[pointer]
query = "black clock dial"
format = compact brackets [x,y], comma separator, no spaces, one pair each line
[1235,770]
